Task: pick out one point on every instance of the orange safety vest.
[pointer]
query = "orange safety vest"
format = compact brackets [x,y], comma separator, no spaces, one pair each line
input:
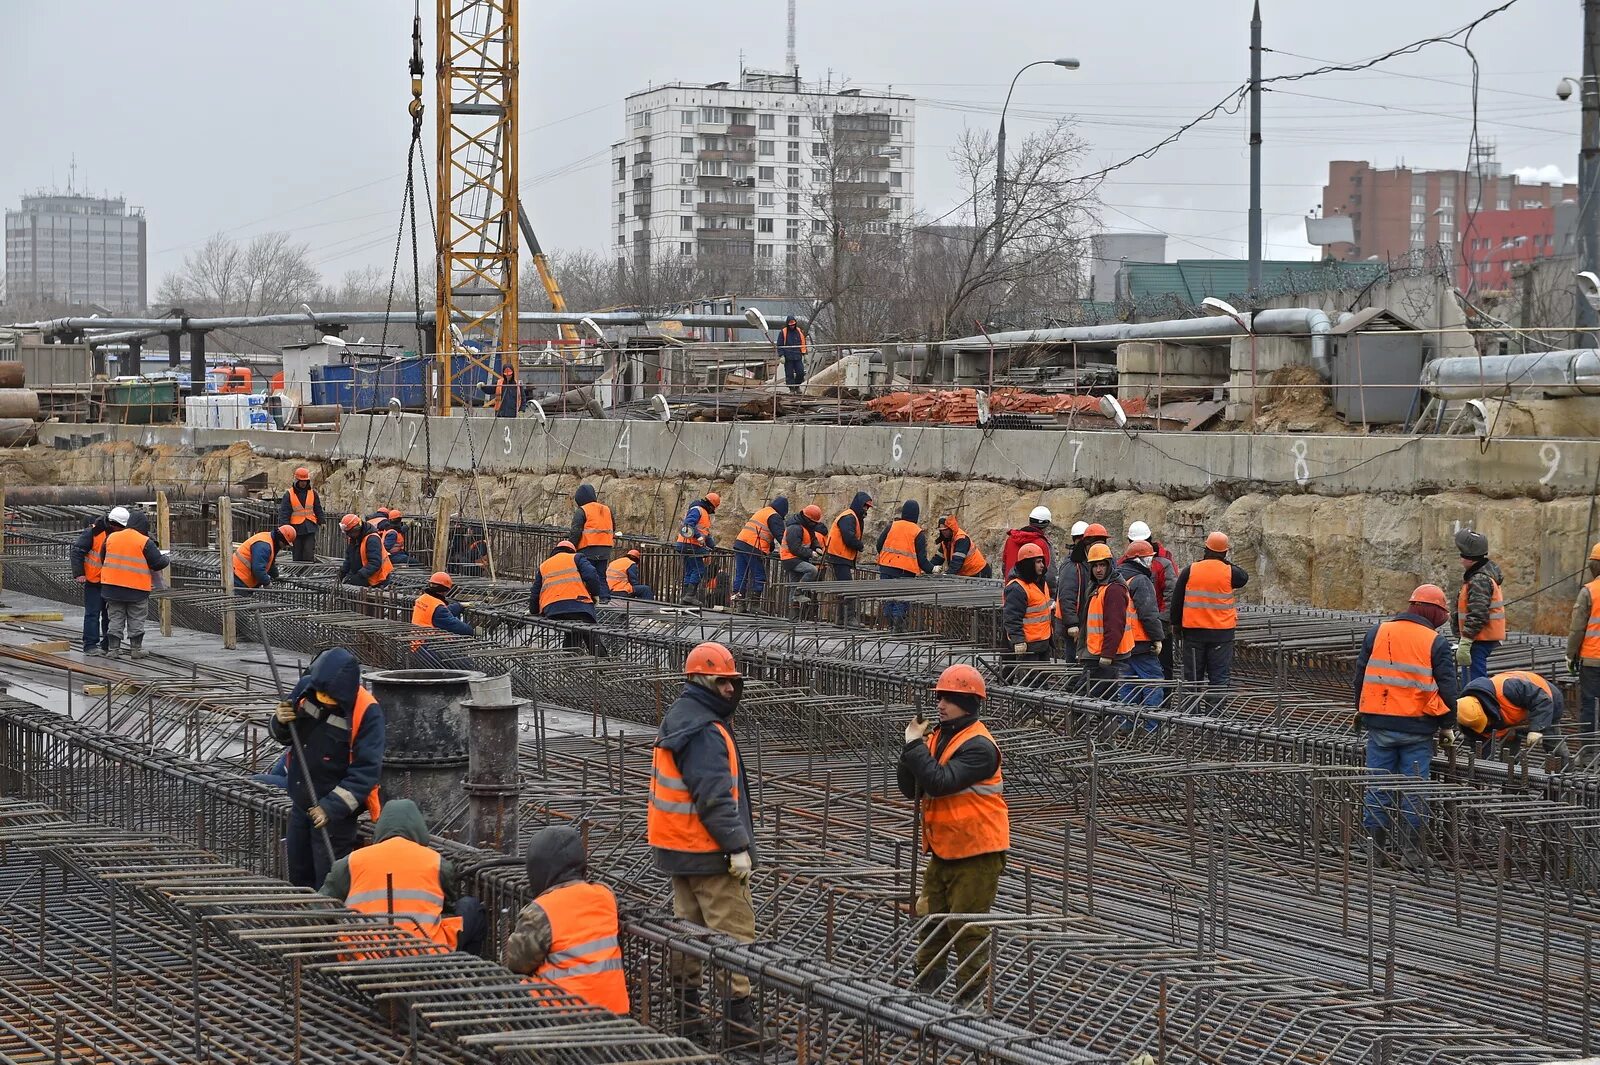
[384,568]
[1591,632]
[1132,622]
[422,615]
[973,564]
[837,537]
[702,527]
[1208,601]
[597,528]
[122,560]
[1398,681]
[502,394]
[241,558]
[405,874]
[1510,713]
[1036,619]
[585,957]
[755,531]
[975,820]
[1495,627]
[672,822]
[301,511]
[617,575]
[899,550]
[560,581]
[92,564]
[1095,637]
[812,537]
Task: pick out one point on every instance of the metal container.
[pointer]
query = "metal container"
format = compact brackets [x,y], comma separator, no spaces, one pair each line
[425,754]
[492,785]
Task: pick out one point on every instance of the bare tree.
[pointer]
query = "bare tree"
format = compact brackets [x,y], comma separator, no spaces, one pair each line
[269,275]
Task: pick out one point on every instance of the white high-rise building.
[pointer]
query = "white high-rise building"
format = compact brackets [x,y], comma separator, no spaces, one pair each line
[68,248]
[756,171]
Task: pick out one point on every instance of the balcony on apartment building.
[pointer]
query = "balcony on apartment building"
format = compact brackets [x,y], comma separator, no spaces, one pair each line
[713,181]
[857,187]
[726,155]
[862,128]
[725,209]
[641,210]
[730,235]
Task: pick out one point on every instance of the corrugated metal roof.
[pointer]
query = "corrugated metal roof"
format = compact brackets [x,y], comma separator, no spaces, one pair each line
[1195,279]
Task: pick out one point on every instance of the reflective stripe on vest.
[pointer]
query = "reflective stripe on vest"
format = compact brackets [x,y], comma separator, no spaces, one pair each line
[836,538]
[1495,627]
[1398,681]
[92,565]
[973,564]
[1591,632]
[585,956]
[1036,619]
[406,873]
[756,532]
[617,578]
[302,510]
[422,615]
[899,550]
[975,820]
[672,822]
[364,701]
[696,533]
[1095,629]
[560,581]
[1208,599]
[122,560]
[241,558]
[385,567]
[597,528]
[1514,714]
[811,538]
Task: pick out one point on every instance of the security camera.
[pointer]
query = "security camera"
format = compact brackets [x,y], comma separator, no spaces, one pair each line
[1565,88]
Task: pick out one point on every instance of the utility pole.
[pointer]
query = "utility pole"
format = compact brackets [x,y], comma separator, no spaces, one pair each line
[1255,145]
[1589,172]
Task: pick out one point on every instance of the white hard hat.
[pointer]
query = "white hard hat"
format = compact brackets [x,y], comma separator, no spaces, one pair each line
[1039,514]
[1079,528]
[118,515]
[1138,531]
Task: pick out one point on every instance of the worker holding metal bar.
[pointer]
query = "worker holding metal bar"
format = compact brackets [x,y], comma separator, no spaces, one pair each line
[301,507]
[694,544]
[1025,611]
[903,553]
[366,563]
[436,608]
[1519,708]
[1205,615]
[569,934]
[593,530]
[1479,620]
[1583,646]
[340,728]
[1072,587]
[953,767]
[961,555]
[700,829]
[128,561]
[623,576]
[758,540]
[566,588]
[804,540]
[1143,624]
[255,562]
[86,570]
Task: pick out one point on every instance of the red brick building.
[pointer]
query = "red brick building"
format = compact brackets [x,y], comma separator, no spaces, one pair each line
[1502,239]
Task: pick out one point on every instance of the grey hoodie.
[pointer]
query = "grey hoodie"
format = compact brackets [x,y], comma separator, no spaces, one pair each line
[400,817]
[555,857]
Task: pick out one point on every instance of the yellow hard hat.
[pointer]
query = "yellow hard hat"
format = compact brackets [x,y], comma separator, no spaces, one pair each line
[1470,715]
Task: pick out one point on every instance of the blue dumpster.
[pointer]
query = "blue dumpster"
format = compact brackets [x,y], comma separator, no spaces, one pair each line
[331,385]
[402,379]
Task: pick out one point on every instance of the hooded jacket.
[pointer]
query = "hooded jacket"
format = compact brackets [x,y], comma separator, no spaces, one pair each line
[919,771]
[1014,605]
[910,511]
[1480,596]
[1029,534]
[794,538]
[851,526]
[791,341]
[400,817]
[1113,616]
[1073,583]
[336,762]
[1142,593]
[353,572]
[593,582]
[691,520]
[555,857]
[85,543]
[702,756]
[585,494]
[775,526]
[1543,709]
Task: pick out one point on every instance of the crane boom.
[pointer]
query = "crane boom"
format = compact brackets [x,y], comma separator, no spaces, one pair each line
[547,277]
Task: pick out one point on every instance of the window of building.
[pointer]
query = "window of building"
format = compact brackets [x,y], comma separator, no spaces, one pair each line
[763,225]
[685,195]
[713,168]
[1447,200]
[1445,238]
[621,239]
[791,229]
[819,176]
[685,118]
[622,198]
[685,144]
[767,122]
[641,120]
[819,225]
[894,203]
[1416,218]
[1417,200]
[685,247]
[765,148]
[622,169]
[794,151]
[739,172]
[894,179]
[767,199]
[622,216]
[763,251]
[767,173]
[740,118]
[819,149]
[793,205]
[897,128]
[713,115]
[686,171]
[872,202]
[686,222]
[1529,205]
[794,177]
[1502,204]
[1417,236]
[794,126]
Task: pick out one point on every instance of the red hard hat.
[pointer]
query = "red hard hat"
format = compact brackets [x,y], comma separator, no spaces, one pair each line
[1217,541]
[633,553]
[566,544]
[714,499]
[710,659]
[963,679]
[813,512]
[394,514]
[287,533]
[1431,594]
[1139,549]
[349,523]
[442,579]
[1096,530]
[1027,551]
[302,474]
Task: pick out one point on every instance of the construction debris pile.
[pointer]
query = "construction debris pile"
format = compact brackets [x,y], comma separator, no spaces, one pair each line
[959,406]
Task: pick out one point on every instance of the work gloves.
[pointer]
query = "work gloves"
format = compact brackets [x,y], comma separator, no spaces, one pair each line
[1155,648]
[319,817]
[1464,653]
[1019,648]
[284,713]
[1572,666]
[1106,663]
[1448,739]
[1073,631]
[938,567]
[918,730]
[1534,739]
[740,867]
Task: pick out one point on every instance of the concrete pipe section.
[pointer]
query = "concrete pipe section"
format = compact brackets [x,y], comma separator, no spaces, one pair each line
[425,759]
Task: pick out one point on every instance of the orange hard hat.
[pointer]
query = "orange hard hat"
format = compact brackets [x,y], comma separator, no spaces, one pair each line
[1594,553]
[349,523]
[394,513]
[1096,530]
[1217,541]
[288,533]
[566,544]
[714,499]
[1098,553]
[813,512]
[1431,594]
[633,553]
[1027,551]
[962,680]
[710,659]
[1139,549]
[442,579]
[302,474]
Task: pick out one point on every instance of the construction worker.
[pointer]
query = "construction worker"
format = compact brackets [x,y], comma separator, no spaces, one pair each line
[1479,620]
[847,535]
[341,730]
[366,563]
[592,528]
[695,543]
[792,347]
[759,538]
[435,609]
[471,546]
[698,823]
[568,934]
[1037,531]
[128,558]
[623,576]
[1583,645]
[1164,576]
[1518,707]
[1405,690]
[505,395]
[86,568]
[801,548]
[1073,585]
[902,553]
[1205,614]
[394,536]
[953,767]
[961,555]
[255,562]
[566,588]
[301,507]
[1026,610]
[1108,639]
[400,877]
[1144,623]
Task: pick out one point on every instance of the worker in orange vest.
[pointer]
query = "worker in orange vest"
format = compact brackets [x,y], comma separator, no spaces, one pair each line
[341,730]
[566,588]
[902,553]
[1107,637]
[366,563]
[699,827]
[301,507]
[1025,610]
[1073,585]
[1518,707]
[792,347]
[86,550]
[953,767]
[436,609]
[506,394]
[623,576]
[394,535]
[400,877]
[1138,563]
[568,935]
[593,531]
[695,544]
[961,555]
[128,559]
[255,562]
[757,541]
[1479,619]
[846,536]
[1583,646]
[1205,614]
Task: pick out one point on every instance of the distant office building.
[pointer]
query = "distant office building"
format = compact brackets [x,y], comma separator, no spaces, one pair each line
[752,173]
[67,248]
[1109,252]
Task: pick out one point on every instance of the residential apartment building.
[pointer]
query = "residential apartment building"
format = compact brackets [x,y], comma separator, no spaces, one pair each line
[66,248]
[1401,210]
[753,173]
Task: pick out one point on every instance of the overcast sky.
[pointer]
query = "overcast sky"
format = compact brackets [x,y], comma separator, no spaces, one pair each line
[223,115]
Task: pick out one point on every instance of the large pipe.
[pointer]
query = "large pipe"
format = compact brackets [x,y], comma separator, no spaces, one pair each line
[1574,372]
[425,744]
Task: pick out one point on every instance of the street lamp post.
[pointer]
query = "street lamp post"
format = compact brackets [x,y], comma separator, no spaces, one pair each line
[1000,141]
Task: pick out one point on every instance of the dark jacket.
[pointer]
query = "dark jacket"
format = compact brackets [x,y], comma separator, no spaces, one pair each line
[391,532]
[353,572]
[960,548]
[1113,618]
[138,521]
[691,521]
[1014,606]
[1480,579]
[512,398]
[791,343]
[851,525]
[264,562]
[342,774]
[775,526]
[447,616]
[919,772]
[1543,709]
[400,817]
[85,542]
[555,857]
[1175,598]
[1142,591]
[593,582]
[1443,658]
[794,538]
[910,511]
[1073,584]
[585,494]
[285,510]
[702,756]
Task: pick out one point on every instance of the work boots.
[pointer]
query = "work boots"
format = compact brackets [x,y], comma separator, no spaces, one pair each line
[929,982]
[113,648]
[691,1018]
[136,648]
[745,1031]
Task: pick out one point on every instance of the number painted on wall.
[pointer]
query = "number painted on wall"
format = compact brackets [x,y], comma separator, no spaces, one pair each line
[624,440]
[744,443]
[1550,455]
[507,440]
[1302,471]
[1077,449]
[896,452]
